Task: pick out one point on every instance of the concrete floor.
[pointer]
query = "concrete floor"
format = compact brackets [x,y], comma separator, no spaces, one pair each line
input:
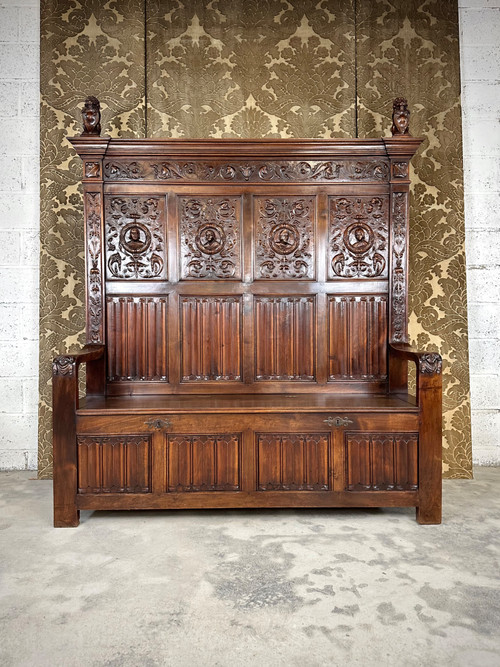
[243,588]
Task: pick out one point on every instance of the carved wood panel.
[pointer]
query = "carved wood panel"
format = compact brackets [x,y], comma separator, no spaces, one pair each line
[95,292]
[135,238]
[382,461]
[284,238]
[203,462]
[137,338]
[357,337]
[210,237]
[399,269]
[285,347]
[114,464]
[211,345]
[358,237]
[293,461]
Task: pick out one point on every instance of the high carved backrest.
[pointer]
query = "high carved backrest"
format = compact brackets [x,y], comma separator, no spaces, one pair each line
[249,266]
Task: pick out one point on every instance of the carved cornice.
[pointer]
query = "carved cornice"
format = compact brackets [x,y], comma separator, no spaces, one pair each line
[430,364]
[64,366]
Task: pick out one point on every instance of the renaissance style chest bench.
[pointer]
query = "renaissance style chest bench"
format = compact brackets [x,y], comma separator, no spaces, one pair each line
[247,330]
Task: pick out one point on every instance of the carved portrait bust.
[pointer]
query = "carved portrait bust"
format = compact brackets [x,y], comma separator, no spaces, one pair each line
[400,117]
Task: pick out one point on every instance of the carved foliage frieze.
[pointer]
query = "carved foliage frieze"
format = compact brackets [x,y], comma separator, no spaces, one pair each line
[210,237]
[284,238]
[358,237]
[252,171]
[95,332]
[135,238]
[399,295]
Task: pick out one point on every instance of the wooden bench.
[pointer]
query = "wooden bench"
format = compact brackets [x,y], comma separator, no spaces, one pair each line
[247,330]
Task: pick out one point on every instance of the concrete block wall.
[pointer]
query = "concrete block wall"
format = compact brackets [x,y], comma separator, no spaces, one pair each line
[19,232]
[19,224]
[480,74]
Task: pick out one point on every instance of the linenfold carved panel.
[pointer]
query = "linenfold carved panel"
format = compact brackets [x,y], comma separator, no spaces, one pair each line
[382,461]
[114,464]
[284,238]
[211,338]
[137,338]
[210,237]
[358,236]
[95,333]
[203,462]
[285,347]
[250,171]
[357,337]
[135,237]
[293,461]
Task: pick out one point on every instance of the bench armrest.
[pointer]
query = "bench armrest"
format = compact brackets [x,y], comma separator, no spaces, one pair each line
[67,364]
[65,367]
[429,366]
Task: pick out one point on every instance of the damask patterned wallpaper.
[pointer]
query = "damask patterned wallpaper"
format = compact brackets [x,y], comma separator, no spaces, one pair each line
[275,68]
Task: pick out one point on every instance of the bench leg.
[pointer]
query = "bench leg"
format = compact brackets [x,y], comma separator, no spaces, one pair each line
[66,517]
[429,514]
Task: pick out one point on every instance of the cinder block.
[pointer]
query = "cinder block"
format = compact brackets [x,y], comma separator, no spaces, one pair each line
[30,99]
[484,320]
[483,248]
[30,395]
[29,24]
[481,137]
[30,174]
[30,248]
[486,437]
[21,61]
[481,174]
[10,169]
[483,282]
[19,210]
[482,211]
[10,90]
[9,23]
[12,396]
[10,242]
[16,140]
[30,321]
[478,3]
[18,459]
[483,21]
[480,62]
[485,391]
[18,359]
[18,432]
[481,99]
[19,285]
[11,321]
[484,356]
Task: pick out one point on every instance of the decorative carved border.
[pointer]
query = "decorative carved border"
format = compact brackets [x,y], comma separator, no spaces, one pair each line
[250,171]
[399,234]
[94,270]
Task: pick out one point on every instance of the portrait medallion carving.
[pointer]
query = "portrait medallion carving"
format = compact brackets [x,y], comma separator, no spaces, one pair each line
[358,237]
[284,231]
[135,238]
[210,238]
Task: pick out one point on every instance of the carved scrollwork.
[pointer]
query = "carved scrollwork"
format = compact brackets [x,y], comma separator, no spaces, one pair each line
[135,238]
[398,278]
[430,363]
[123,171]
[285,243]
[210,237]
[64,366]
[400,170]
[95,332]
[92,169]
[358,237]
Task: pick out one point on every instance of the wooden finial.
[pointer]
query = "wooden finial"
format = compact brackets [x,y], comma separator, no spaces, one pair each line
[91,114]
[400,117]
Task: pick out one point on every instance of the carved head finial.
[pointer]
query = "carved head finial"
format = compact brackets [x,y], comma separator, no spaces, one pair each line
[400,117]
[91,114]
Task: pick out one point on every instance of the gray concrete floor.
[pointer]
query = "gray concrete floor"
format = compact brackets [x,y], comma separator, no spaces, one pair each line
[244,588]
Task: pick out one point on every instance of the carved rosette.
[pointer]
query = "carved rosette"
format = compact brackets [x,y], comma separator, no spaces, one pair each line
[358,237]
[135,238]
[284,245]
[95,333]
[210,238]
[319,171]
[64,366]
[398,273]
[430,363]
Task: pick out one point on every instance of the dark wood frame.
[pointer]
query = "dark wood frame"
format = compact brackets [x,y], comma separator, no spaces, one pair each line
[245,438]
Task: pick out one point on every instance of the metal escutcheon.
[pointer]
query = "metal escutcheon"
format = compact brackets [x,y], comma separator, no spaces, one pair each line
[338,421]
[158,424]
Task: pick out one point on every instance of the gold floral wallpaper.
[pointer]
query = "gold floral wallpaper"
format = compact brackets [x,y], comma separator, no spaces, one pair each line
[259,68]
